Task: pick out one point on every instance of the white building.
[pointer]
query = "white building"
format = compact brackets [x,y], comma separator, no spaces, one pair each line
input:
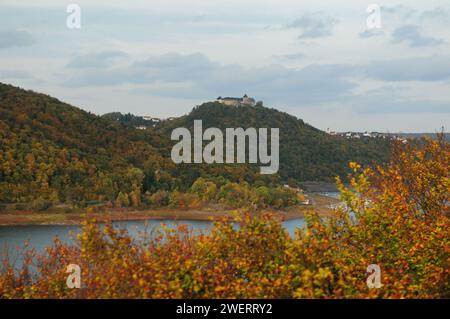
[153,119]
[236,101]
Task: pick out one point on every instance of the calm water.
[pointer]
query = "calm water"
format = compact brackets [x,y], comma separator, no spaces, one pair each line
[331,194]
[40,237]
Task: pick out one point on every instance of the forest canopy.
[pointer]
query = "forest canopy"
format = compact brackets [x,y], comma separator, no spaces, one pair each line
[52,152]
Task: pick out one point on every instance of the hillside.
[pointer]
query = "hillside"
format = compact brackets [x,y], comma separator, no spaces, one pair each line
[130,120]
[306,153]
[51,150]
[54,152]
[424,135]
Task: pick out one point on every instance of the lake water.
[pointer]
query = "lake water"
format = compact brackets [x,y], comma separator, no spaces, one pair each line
[331,194]
[41,236]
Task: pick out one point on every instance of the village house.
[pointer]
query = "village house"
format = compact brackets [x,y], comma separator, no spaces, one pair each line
[152,119]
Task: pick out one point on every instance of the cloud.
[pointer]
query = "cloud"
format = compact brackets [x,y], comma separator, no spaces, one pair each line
[438,13]
[433,68]
[186,76]
[196,76]
[370,33]
[314,25]
[408,15]
[15,38]
[391,99]
[96,60]
[15,74]
[291,57]
[170,67]
[411,35]
[399,11]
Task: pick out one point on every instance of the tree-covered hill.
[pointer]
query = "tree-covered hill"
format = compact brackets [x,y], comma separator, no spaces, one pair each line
[52,151]
[56,151]
[306,153]
[130,119]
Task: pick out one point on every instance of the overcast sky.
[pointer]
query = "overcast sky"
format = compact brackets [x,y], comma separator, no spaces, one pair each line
[314,59]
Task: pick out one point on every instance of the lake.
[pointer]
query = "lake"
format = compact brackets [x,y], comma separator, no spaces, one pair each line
[41,236]
[331,194]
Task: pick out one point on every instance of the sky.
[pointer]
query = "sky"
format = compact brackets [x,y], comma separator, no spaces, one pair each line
[318,60]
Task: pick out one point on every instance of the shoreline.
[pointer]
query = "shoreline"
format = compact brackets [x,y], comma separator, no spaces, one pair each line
[320,203]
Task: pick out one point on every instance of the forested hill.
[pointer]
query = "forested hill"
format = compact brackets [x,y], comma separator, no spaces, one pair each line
[306,153]
[59,152]
[51,150]
[130,119]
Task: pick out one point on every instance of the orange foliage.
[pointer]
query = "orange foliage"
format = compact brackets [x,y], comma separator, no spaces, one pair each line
[395,216]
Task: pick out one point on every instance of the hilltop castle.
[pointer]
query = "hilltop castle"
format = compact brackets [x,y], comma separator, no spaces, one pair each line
[236,101]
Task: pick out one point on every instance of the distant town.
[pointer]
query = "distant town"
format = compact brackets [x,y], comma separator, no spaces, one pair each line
[366,134]
[150,121]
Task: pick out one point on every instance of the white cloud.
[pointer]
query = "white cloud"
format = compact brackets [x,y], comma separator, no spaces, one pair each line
[96,60]
[314,25]
[15,38]
[15,74]
[196,76]
[119,56]
[428,69]
[370,33]
[412,35]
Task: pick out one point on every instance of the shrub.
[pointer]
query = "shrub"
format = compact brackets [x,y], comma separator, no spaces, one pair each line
[237,195]
[160,198]
[395,216]
[40,204]
[206,190]
[122,200]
